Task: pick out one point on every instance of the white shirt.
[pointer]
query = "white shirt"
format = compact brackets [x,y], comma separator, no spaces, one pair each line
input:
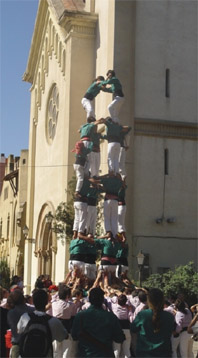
[62,309]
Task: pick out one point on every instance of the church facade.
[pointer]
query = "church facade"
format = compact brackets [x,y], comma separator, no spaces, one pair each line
[154,56]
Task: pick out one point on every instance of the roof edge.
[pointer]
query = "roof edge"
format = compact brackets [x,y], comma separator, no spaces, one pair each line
[35,42]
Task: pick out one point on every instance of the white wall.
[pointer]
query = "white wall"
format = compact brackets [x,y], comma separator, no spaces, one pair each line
[166,37]
[180,195]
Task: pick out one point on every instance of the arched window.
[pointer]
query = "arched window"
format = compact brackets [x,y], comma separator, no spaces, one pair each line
[56,47]
[60,53]
[43,73]
[46,64]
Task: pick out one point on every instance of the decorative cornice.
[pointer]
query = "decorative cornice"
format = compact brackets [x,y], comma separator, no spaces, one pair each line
[77,15]
[79,24]
[165,128]
[80,30]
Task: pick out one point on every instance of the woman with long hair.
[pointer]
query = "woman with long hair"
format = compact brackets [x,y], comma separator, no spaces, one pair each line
[154,328]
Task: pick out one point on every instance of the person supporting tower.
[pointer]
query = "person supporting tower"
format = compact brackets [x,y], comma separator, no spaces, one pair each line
[81,165]
[88,134]
[114,136]
[109,247]
[124,145]
[91,93]
[112,185]
[122,258]
[118,96]
[95,154]
[92,201]
[80,209]
[122,211]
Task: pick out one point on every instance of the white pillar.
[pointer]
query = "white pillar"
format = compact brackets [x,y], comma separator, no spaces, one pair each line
[27,265]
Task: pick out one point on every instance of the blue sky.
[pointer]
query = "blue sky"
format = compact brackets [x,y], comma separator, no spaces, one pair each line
[16,28]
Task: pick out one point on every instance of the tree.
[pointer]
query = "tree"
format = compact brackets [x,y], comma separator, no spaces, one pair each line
[4,274]
[184,279]
[63,219]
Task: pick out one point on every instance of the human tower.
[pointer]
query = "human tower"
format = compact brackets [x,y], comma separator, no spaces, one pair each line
[113,245]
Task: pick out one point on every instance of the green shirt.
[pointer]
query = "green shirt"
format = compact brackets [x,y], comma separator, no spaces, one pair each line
[93,90]
[112,185]
[96,140]
[93,192]
[91,249]
[122,251]
[115,84]
[77,246]
[87,130]
[108,247]
[85,187]
[150,344]
[121,194]
[113,129]
[104,326]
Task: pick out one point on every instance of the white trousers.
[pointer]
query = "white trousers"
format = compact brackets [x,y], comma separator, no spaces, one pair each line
[88,107]
[94,158]
[113,157]
[91,219]
[80,216]
[87,167]
[182,341]
[121,218]
[121,160]
[72,264]
[114,108]
[90,271]
[195,349]
[108,268]
[80,174]
[123,349]
[111,216]
[123,269]
[65,349]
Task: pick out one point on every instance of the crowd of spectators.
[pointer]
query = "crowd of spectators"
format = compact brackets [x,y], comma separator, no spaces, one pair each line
[120,320]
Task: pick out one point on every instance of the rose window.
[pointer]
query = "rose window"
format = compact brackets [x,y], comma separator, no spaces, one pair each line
[52,114]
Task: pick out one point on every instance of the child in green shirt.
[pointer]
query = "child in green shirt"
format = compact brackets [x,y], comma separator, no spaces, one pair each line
[115,88]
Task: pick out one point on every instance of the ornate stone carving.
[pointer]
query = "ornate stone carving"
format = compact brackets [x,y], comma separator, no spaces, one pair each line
[54,249]
[38,253]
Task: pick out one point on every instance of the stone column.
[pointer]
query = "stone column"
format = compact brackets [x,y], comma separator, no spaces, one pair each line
[29,245]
